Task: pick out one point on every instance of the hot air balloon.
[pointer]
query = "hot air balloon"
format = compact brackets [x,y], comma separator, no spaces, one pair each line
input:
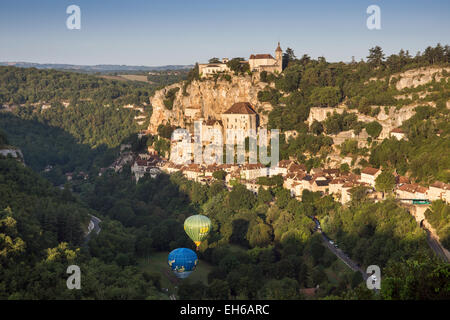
[197,228]
[182,261]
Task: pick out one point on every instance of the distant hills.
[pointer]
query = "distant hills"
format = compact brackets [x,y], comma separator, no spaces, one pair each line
[102,68]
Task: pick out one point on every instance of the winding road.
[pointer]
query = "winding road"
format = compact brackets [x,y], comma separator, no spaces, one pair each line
[338,252]
[94,225]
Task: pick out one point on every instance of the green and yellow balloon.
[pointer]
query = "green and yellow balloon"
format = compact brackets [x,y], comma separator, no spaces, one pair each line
[197,228]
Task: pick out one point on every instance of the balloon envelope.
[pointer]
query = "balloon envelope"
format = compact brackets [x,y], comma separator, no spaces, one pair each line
[182,261]
[197,228]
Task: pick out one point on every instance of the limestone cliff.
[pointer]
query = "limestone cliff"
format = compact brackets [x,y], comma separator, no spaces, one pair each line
[210,97]
[392,117]
[416,77]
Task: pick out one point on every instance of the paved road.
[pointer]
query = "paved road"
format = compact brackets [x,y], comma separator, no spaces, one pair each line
[338,252]
[94,225]
[418,212]
[435,245]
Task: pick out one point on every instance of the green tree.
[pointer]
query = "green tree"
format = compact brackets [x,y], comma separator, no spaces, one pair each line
[385,181]
[284,289]
[375,57]
[325,96]
[219,175]
[374,129]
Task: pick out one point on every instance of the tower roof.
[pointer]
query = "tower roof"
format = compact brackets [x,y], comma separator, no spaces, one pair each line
[278,48]
[241,108]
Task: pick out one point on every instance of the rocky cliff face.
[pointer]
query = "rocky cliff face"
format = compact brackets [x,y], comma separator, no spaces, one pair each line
[210,97]
[416,77]
[394,117]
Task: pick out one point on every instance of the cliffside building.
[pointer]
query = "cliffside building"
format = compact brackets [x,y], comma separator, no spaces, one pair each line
[265,62]
[257,62]
[240,115]
[208,69]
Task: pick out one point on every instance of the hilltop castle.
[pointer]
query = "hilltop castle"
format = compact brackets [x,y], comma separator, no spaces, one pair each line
[257,62]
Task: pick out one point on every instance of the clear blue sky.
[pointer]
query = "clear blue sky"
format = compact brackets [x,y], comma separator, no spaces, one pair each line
[149,32]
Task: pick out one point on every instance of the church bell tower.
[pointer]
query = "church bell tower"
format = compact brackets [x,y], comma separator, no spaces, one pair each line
[279,57]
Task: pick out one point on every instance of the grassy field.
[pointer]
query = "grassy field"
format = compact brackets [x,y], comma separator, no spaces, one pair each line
[127,77]
[157,262]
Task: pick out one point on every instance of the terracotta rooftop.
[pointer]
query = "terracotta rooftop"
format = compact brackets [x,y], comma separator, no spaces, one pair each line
[211,122]
[297,167]
[397,130]
[284,163]
[412,188]
[241,108]
[252,166]
[369,170]
[402,179]
[441,185]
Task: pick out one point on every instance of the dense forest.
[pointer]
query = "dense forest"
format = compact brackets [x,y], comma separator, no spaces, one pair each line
[82,135]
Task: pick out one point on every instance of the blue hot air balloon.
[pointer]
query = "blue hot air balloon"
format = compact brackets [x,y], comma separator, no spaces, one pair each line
[182,261]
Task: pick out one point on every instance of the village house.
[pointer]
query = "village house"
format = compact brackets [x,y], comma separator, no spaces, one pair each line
[209,69]
[411,191]
[240,116]
[295,167]
[171,167]
[398,133]
[69,176]
[193,112]
[144,164]
[369,174]
[281,168]
[333,173]
[209,129]
[289,180]
[252,186]
[439,191]
[346,196]
[399,180]
[335,186]
[193,171]
[209,170]
[205,180]
[296,190]
[319,184]
[253,171]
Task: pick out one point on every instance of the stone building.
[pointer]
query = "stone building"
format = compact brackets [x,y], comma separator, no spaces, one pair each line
[369,175]
[439,191]
[398,133]
[240,115]
[266,62]
[208,69]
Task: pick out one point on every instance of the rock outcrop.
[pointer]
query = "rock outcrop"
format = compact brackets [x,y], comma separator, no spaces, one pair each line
[211,98]
[416,77]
